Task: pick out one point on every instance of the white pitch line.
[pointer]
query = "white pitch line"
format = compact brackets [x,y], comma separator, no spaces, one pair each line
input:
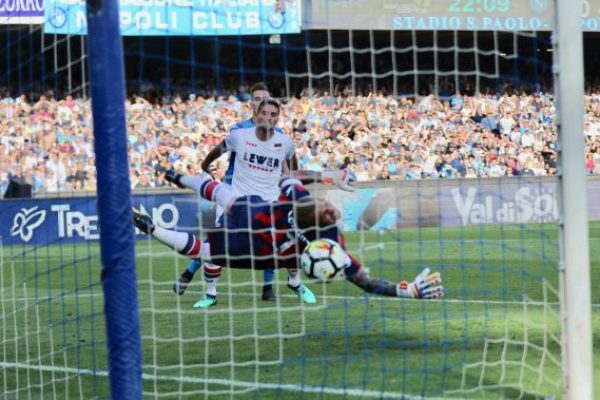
[226,382]
[327,297]
[373,246]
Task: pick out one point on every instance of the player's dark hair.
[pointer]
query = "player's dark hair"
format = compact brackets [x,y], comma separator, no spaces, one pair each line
[259,86]
[271,102]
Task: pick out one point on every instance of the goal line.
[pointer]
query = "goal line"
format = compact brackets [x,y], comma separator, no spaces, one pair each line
[225,382]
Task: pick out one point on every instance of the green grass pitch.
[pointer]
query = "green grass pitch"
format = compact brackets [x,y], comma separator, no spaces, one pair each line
[495,336]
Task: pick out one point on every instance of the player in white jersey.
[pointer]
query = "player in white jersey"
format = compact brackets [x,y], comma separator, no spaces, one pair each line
[262,154]
[260,157]
[271,153]
[258,92]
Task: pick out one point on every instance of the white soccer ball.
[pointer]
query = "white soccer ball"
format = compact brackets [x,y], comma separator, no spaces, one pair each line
[323,259]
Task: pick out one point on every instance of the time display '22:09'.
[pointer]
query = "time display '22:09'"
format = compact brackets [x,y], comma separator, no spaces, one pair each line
[478,6]
[487,15]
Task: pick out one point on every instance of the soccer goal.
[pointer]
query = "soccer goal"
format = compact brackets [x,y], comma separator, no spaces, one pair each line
[457,121]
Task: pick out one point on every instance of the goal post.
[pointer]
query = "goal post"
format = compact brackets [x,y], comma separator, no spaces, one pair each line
[574,263]
[117,243]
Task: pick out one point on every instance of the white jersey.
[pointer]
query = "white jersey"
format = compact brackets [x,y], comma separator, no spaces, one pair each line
[258,165]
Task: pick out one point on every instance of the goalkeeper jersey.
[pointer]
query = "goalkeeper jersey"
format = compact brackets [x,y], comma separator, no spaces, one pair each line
[257,234]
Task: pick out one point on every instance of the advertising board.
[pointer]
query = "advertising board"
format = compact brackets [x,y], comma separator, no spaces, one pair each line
[428,15]
[182,17]
[394,205]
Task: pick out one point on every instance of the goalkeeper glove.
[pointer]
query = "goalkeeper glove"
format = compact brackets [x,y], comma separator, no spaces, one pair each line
[425,286]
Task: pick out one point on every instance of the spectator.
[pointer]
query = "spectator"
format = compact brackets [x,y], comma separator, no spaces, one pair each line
[590,164]
[49,141]
[4,182]
[144,182]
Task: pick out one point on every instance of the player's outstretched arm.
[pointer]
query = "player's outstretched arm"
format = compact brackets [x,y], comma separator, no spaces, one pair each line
[425,286]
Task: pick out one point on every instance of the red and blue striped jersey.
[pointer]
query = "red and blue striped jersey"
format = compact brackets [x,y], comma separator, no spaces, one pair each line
[257,234]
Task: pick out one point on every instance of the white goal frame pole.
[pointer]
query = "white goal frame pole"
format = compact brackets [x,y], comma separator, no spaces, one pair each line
[574,263]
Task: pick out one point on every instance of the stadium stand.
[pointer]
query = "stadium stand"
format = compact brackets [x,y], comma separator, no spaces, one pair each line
[47,142]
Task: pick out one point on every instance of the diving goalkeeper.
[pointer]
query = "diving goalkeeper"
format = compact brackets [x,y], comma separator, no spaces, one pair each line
[257,234]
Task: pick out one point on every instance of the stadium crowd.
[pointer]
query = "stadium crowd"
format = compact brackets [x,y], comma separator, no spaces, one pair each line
[49,143]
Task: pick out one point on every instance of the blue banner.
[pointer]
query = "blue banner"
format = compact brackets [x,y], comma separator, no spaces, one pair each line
[49,221]
[182,17]
[413,203]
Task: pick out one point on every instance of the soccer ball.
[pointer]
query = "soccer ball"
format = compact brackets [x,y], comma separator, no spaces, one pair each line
[323,259]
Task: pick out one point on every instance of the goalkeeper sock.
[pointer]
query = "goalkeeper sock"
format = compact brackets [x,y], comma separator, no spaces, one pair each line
[184,243]
[211,277]
[222,195]
[293,278]
[194,182]
[212,191]
[209,189]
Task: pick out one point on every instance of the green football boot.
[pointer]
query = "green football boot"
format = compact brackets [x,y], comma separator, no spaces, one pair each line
[206,302]
[304,294]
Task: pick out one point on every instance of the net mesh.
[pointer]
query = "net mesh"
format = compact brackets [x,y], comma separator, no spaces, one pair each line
[496,335]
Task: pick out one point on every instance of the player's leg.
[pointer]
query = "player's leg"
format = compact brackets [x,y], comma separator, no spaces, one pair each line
[186,277]
[212,273]
[191,246]
[267,291]
[303,293]
[211,277]
[181,284]
[205,186]
[185,244]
